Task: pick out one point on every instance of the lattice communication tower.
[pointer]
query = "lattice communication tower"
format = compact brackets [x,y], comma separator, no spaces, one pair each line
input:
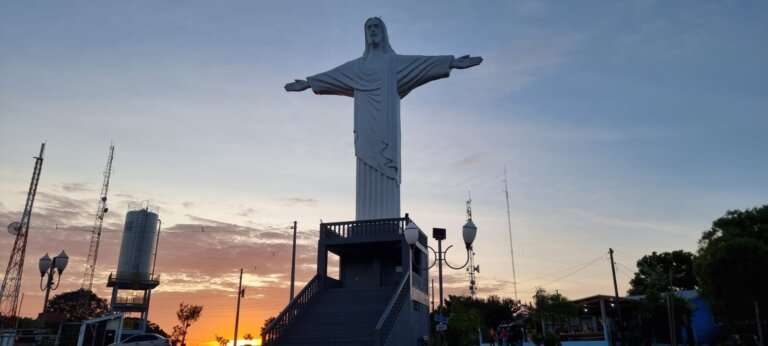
[93,250]
[9,294]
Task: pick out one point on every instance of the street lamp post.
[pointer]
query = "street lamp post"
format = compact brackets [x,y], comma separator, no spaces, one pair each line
[469,231]
[47,266]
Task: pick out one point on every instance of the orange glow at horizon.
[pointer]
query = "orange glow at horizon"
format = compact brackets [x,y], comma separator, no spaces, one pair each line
[240,342]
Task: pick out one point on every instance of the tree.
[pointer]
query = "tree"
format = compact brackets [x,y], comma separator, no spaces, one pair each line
[153,327]
[186,315]
[248,337]
[654,318]
[497,310]
[466,315]
[267,322]
[553,310]
[731,265]
[79,305]
[664,272]
[222,340]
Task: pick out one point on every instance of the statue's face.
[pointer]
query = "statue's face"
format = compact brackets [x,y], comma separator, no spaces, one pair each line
[374,32]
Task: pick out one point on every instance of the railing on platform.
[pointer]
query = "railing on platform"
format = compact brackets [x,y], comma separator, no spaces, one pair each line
[363,229]
[392,312]
[282,322]
[133,278]
[130,301]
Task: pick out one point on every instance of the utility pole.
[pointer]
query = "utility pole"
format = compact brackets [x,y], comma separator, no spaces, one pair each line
[671,312]
[759,325]
[616,293]
[240,293]
[293,262]
[433,294]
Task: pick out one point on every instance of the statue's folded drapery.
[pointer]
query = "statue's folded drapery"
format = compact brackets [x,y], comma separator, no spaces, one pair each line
[377,86]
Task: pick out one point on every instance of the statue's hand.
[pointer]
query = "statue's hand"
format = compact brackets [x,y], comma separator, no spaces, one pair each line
[466,62]
[298,85]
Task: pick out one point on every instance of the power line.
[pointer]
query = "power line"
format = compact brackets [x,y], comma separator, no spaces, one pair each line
[603,256]
[625,254]
[625,267]
[171,229]
[270,258]
[623,271]
[566,269]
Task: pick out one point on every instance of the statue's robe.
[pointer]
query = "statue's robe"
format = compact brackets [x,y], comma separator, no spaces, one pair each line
[377,87]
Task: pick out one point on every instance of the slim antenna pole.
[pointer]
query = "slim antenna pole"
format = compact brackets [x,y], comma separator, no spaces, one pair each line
[509,225]
[472,269]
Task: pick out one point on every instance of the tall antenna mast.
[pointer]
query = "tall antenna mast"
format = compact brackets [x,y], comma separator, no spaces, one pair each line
[509,225]
[472,268]
[93,250]
[9,294]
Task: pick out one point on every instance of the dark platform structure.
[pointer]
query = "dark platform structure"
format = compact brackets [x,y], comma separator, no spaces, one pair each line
[379,298]
[131,295]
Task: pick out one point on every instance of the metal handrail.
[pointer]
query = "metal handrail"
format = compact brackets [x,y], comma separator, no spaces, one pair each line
[281,323]
[362,229]
[389,316]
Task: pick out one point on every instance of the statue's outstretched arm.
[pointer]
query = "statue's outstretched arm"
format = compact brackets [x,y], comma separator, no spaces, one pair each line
[466,62]
[297,85]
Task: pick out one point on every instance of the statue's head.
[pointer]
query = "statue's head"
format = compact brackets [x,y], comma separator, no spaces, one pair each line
[376,35]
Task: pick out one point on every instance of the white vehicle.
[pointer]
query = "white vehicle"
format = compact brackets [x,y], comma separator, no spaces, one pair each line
[144,340]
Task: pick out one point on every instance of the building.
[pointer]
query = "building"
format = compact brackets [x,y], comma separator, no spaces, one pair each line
[378,295]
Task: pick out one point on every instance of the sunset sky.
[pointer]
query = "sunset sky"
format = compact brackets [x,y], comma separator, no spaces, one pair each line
[630,125]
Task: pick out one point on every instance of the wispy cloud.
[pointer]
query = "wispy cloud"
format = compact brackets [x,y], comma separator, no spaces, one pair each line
[76,187]
[471,159]
[293,201]
[630,224]
[247,212]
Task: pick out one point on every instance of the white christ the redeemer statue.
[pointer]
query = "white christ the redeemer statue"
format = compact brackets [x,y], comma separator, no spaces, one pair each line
[377,81]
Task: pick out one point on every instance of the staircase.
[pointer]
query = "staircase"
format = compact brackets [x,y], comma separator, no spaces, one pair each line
[339,316]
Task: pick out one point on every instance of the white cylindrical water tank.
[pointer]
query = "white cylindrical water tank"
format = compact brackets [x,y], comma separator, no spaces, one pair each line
[138,246]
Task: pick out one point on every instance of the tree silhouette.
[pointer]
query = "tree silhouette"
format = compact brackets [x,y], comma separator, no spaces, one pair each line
[664,272]
[186,314]
[79,305]
[249,337]
[731,265]
[222,340]
[266,323]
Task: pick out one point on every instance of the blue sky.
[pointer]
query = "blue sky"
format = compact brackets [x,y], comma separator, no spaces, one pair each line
[629,125]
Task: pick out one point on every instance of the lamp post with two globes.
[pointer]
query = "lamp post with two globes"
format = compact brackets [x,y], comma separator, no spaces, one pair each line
[469,231]
[47,265]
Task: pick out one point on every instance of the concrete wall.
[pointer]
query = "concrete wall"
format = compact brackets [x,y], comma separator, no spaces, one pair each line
[411,326]
[358,271]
